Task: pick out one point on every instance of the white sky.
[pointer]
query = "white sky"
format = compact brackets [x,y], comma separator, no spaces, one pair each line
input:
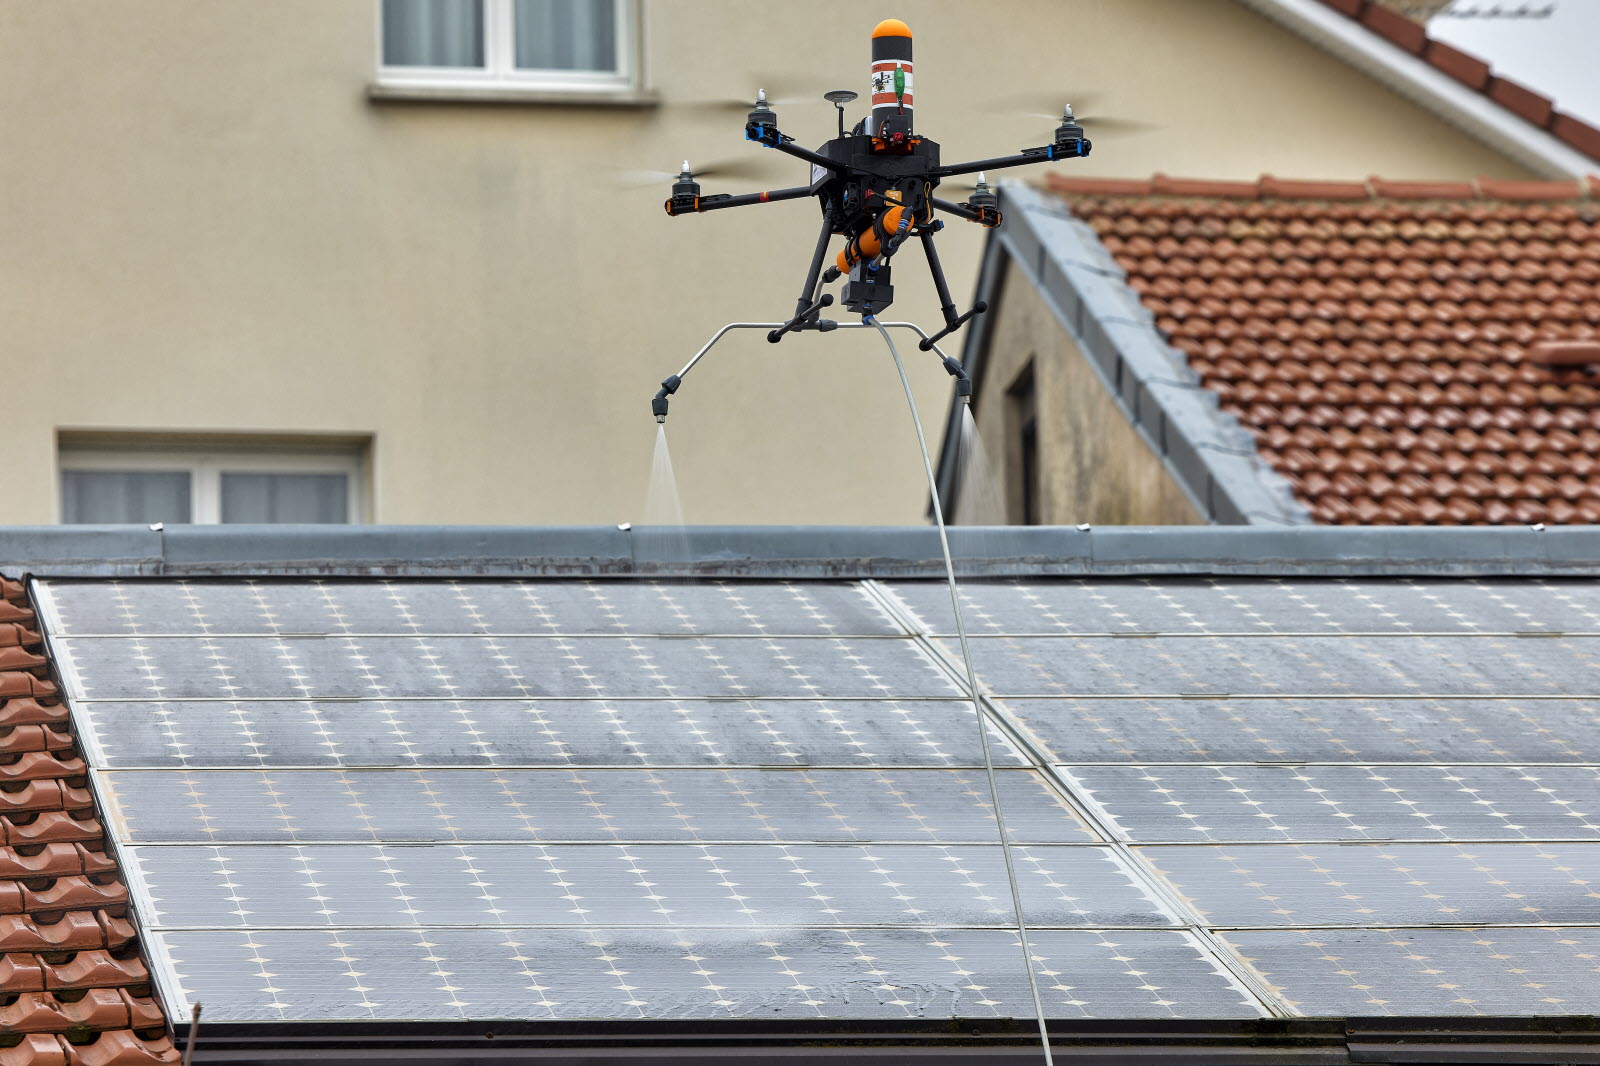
[1558,56]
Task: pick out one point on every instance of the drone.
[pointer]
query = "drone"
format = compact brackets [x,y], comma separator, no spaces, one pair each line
[875,186]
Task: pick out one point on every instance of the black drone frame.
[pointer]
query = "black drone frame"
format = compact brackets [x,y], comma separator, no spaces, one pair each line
[857,178]
[862,181]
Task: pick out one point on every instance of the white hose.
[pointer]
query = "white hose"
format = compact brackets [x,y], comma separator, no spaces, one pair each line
[977,708]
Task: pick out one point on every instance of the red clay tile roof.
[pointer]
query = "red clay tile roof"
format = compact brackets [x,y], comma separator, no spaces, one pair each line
[1383,350]
[1411,36]
[73,990]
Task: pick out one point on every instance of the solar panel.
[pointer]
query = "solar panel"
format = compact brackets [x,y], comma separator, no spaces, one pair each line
[314,667]
[404,799]
[1289,665]
[690,973]
[1480,971]
[1260,605]
[467,608]
[560,885]
[1428,729]
[1412,884]
[1311,803]
[510,806]
[535,733]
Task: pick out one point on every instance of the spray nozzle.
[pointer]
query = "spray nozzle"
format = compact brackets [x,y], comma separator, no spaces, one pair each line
[953,367]
[658,406]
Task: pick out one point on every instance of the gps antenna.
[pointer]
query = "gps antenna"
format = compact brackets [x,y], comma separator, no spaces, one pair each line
[838,98]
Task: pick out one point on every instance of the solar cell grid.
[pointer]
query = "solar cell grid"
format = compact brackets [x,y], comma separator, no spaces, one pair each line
[466,608]
[1170,604]
[1307,803]
[1492,972]
[123,669]
[1347,729]
[622,973]
[534,732]
[758,886]
[511,806]
[1359,884]
[1331,666]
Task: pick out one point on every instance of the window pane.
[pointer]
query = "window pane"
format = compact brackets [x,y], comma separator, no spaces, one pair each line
[125,496]
[566,34]
[285,498]
[433,33]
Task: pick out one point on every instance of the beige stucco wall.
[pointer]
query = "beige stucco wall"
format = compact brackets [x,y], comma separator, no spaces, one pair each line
[207,225]
[1093,465]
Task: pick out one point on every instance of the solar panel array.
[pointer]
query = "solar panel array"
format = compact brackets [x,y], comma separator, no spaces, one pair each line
[414,799]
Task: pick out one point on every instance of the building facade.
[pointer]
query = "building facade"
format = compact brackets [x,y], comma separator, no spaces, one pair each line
[391,263]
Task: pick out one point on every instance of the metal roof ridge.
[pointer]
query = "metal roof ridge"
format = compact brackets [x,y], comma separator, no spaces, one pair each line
[792,552]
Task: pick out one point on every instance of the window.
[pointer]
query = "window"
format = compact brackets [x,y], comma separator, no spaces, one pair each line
[1026,506]
[550,45]
[148,484]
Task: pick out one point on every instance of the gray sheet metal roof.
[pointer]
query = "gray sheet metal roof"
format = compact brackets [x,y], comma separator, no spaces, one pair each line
[768,552]
[1211,457]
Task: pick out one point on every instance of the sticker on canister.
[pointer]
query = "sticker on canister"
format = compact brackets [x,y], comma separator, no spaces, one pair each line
[883,77]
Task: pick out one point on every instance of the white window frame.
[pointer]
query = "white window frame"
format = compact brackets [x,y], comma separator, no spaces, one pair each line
[205,467]
[500,72]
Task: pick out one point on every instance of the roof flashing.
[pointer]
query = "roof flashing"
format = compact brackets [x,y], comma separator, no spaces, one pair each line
[794,552]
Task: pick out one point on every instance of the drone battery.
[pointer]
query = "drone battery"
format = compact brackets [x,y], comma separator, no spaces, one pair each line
[891,82]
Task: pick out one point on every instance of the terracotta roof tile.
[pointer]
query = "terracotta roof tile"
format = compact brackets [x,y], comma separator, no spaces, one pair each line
[73,989]
[1579,134]
[1162,185]
[1395,27]
[1521,100]
[1408,358]
[1469,70]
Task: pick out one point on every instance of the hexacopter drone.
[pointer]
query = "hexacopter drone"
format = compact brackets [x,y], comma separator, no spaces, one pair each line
[875,186]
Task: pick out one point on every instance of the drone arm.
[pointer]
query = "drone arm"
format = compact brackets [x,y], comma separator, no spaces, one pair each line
[814,158]
[1046,154]
[987,217]
[686,205]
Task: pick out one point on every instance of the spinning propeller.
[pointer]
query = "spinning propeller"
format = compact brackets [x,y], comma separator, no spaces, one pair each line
[720,168]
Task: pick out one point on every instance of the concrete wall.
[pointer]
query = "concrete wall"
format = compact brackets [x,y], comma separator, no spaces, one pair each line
[208,226]
[1093,465]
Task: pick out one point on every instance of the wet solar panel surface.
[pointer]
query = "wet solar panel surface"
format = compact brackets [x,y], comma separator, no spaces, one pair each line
[369,799]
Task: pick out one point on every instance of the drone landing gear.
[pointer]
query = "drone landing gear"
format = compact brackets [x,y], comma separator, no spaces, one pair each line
[947,305]
[868,289]
[806,319]
[810,305]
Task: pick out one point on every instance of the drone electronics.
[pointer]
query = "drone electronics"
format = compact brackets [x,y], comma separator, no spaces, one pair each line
[875,186]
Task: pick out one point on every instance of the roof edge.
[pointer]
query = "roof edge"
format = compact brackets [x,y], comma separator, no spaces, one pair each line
[1413,77]
[792,552]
